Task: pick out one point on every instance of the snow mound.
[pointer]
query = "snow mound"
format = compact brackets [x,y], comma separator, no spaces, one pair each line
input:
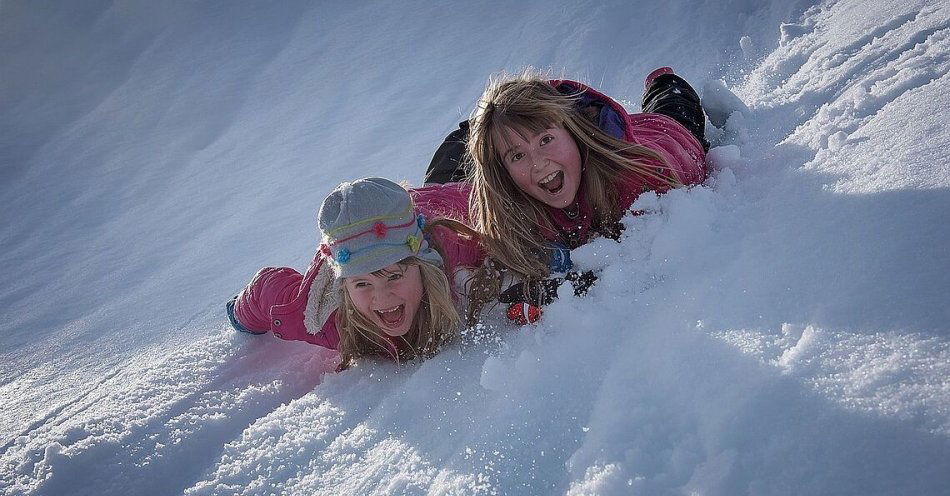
[781,329]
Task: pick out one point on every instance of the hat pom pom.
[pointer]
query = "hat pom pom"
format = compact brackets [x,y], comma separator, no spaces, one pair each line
[343,256]
[380,230]
[413,243]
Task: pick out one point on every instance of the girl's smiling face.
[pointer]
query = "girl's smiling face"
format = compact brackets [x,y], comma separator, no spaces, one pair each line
[388,297]
[545,165]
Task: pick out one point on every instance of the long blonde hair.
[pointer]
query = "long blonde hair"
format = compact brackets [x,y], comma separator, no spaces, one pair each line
[436,321]
[510,221]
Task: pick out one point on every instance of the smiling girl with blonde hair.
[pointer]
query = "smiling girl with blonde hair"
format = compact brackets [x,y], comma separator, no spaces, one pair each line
[382,282]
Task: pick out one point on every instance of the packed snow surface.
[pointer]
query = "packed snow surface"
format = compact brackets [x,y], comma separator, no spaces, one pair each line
[782,329]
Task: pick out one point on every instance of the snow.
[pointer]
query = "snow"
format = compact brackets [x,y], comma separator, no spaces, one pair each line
[780,330]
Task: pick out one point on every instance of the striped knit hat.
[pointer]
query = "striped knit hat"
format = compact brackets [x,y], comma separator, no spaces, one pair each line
[370,224]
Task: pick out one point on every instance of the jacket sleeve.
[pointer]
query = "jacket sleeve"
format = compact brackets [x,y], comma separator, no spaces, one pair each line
[460,252]
[270,286]
[329,335]
[681,151]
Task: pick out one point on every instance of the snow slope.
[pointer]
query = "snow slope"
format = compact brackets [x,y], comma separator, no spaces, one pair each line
[781,330]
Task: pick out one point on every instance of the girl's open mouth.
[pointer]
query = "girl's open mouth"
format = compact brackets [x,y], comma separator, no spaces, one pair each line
[392,317]
[553,182]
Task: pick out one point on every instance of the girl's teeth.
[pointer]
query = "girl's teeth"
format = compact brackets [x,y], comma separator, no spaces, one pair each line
[391,316]
[553,182]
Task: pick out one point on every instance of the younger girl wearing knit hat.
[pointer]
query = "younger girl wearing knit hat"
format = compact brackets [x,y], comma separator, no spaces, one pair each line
[382,282]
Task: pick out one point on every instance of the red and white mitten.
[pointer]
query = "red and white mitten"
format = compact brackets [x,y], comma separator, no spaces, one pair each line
[523,313]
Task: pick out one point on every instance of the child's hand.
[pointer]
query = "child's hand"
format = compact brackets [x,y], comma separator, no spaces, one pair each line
[538,293]
[582,281]
[544,291]
[523,313]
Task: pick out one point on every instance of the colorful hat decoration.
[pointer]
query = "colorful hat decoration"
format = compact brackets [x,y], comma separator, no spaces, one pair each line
[369,224]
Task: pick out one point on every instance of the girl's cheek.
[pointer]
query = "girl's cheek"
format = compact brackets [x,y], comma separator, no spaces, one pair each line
[360,293]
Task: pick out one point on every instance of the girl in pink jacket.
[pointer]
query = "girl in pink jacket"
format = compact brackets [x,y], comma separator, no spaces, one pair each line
[382,281]
[556,163]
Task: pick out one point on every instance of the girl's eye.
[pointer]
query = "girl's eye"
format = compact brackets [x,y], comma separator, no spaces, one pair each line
[517,156]
[395,277]
[547,138]
[360,284]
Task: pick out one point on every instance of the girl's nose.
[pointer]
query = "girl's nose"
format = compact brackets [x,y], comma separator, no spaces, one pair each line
[380,293]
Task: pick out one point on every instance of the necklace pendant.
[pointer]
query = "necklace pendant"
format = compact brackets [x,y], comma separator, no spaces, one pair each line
[572,211]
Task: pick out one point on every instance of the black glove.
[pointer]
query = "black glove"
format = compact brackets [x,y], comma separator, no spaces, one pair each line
[543,292]
[613,230]
[582,281]
[537,293]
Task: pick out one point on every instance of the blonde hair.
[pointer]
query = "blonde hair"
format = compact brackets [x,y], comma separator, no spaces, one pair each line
[508,220]
[436,321]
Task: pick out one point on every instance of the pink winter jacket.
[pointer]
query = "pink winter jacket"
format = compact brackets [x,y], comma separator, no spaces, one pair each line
[682,151]
[276,298]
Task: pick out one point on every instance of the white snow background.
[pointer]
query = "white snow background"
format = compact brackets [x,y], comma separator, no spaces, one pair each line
[782,329]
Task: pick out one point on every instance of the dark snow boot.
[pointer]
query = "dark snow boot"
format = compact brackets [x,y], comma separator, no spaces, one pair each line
[450,163]
[670,95]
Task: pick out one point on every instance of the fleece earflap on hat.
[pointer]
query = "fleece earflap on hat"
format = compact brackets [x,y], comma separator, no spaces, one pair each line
[370,224]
